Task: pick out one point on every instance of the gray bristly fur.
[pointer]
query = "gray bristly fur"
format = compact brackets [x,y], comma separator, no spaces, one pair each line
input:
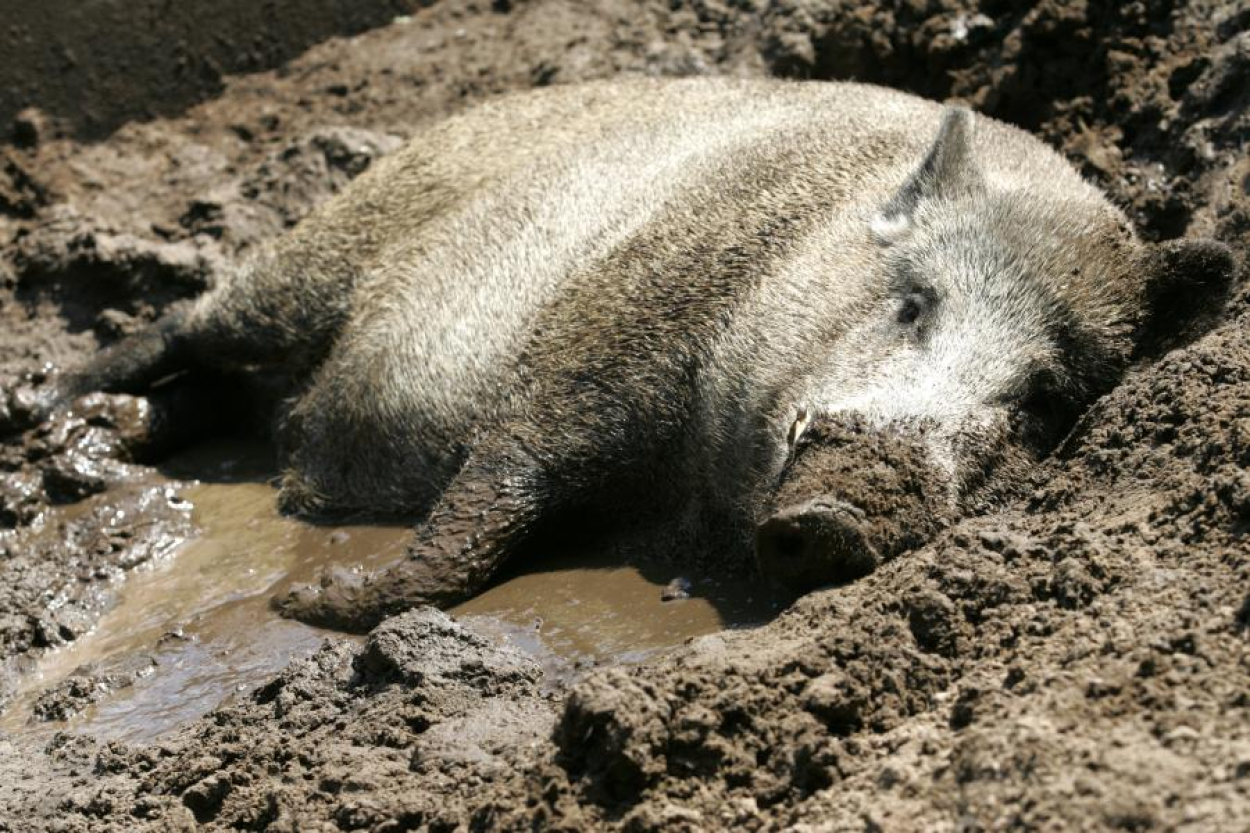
[623,294]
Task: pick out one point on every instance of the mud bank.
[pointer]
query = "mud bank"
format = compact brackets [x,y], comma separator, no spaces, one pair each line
[1076,659]
[89,68]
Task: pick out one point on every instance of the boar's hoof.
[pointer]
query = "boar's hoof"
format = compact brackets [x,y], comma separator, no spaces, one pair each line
[339,601]
[821,541]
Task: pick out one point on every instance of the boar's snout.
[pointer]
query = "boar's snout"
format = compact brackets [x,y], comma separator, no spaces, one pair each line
[819,541]
[851,496]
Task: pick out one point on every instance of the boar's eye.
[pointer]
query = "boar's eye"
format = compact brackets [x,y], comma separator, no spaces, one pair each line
[912,307]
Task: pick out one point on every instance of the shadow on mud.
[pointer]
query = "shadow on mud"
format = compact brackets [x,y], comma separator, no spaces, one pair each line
[76,60]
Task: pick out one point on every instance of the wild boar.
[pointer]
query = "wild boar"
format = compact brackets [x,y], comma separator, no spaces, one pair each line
[652,299]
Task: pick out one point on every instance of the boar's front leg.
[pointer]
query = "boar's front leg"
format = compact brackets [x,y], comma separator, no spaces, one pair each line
[489,508]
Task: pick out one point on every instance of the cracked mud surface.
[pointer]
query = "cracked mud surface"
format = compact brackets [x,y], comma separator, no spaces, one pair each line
[1079,659]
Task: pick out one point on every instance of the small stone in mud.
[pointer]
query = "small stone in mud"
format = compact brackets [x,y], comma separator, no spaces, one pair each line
[69,478]
[338,537]
[676,590]
[30,128]
[425,646]
[177,634]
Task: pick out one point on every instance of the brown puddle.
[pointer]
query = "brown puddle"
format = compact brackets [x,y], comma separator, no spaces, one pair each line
[197,624]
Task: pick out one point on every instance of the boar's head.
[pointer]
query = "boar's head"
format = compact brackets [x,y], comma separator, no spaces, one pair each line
[993,316]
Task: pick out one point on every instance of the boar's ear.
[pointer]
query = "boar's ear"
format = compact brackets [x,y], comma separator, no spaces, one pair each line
[1187,283]
[948,168]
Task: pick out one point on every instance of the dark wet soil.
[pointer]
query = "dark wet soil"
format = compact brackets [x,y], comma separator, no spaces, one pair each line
[1075,659]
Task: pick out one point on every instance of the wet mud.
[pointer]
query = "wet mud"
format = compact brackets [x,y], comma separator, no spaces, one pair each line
[1074,657]
[197,626]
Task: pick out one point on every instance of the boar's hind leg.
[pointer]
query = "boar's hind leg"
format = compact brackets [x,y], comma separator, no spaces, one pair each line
[129,366]
[281,310]
[489,508]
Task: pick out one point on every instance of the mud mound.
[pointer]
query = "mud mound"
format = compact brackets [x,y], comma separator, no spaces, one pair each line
[1076,660]
[994,674]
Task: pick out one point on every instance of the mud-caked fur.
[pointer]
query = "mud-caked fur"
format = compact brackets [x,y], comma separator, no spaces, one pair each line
[620,296]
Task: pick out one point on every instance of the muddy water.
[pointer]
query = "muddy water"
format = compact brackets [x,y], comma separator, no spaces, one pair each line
[195,628]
